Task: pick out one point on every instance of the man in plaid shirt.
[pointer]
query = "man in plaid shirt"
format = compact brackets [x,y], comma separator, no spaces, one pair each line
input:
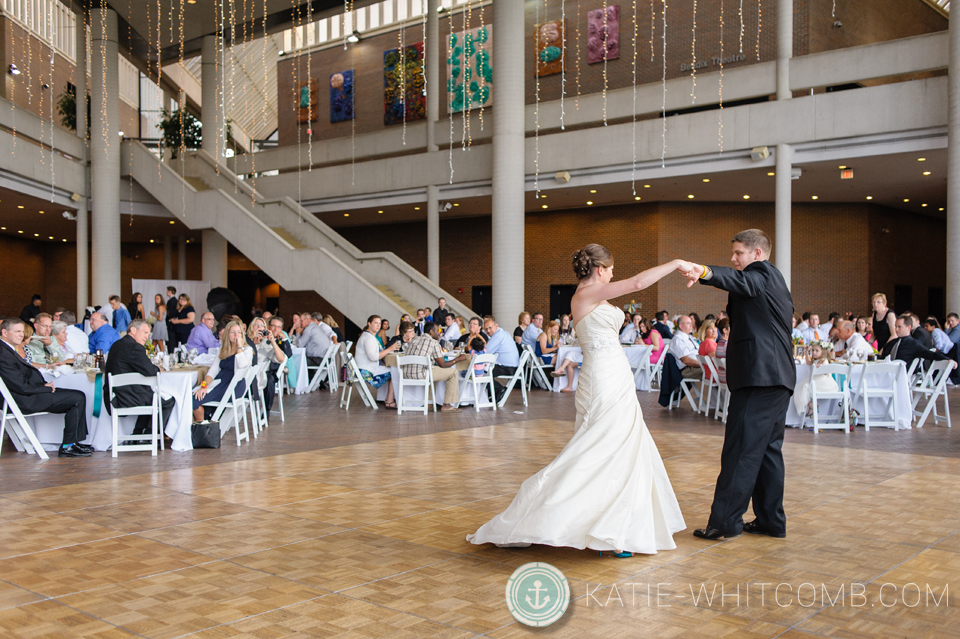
[428,345]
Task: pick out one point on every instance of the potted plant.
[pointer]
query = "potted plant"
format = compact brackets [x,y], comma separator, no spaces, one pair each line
[173,124]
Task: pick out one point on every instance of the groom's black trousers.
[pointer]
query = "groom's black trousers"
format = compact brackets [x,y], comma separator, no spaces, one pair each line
[751,464]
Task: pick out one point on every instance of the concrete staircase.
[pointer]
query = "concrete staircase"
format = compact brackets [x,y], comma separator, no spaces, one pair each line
[289,243]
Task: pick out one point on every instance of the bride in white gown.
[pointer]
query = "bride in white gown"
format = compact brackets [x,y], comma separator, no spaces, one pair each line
[608,488]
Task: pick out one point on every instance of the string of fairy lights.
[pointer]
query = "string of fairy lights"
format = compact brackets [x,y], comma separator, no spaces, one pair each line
[693,53]
[720,126]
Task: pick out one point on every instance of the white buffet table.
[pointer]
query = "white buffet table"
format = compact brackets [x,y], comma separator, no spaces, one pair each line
[634,355]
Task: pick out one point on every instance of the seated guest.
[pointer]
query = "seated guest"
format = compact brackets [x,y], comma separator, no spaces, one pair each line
[159,335]
[369,354]
[282,350]
[940,340]
[708,341]
[906,348]
[443,370]
[128,355]
[31,310]
[697,322]
[403,318]
[796,333]
[183,318]
[451,332]
[524,322]
[234,357]
[661,325]
[566,325]
[723,330]
[296,328]
[102,335]
[419,323]
[121,316]
[44,350]
[922,336]
[549,342]
[316,338]
[462,325]
[532,331]
[405,333]
[804,323]
[851,342]
[56,313]
[631,334]
[383,336]
[684,347]
[865,330]
[473,330]
[201,336]
[329,321]
[498,342]
[477,347]
[814,332]
[33,395]
[952,327]
[22,350]
[58,331]
[652,337]
[428,314]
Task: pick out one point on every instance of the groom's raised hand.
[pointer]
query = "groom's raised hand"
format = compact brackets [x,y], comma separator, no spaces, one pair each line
[691,271]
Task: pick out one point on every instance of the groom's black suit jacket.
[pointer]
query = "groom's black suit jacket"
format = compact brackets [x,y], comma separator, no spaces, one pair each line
[760,348]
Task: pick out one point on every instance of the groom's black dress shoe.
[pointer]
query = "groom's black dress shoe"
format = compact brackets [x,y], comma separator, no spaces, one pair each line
[755,529]
[712,533]
[73,451]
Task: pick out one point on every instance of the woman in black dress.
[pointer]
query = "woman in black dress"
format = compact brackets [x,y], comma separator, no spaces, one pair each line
[183,320]
[884,320]
[136,307]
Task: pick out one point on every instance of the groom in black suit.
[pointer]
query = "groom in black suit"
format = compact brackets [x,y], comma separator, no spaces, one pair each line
[761,375]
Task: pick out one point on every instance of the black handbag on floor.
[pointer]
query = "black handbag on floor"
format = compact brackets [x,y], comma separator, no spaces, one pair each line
[206,434]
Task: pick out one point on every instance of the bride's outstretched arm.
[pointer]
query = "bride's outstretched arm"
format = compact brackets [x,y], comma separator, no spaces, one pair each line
[599,292]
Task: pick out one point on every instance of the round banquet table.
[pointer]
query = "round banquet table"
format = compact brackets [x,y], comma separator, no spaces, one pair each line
[297,374]
[635,355]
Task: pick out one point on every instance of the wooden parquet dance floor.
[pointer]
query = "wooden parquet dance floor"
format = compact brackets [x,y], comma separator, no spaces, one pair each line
[339,524]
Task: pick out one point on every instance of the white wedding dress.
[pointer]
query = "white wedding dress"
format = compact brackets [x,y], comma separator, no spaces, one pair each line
[608,488]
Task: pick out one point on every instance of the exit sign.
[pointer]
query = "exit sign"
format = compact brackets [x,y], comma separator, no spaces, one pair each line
[846,174]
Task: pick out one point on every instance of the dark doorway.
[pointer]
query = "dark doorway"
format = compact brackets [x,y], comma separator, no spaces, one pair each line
[560,296]
[482,302]
[902,298]
[935,303]
[351,332]
[245,284]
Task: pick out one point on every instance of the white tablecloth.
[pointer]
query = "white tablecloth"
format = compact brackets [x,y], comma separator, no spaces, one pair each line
[297,376]
[49,428]
[877,406]
[633,353]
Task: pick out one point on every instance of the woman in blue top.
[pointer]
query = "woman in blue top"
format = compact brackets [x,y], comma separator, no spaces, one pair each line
[549,342]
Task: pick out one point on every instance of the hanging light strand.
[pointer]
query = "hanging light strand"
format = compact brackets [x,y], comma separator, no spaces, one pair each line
[536,67]
[563,58]
[741,26]
[483,79]
[653,26]
[53,59]
[103,74]
[309,28]
[633,137]
[720,128]
[693,51]
[233,70]
[464,96]
[449,108]
[576,44]
[605,34]
[759,24]
[401,35]
[663,109]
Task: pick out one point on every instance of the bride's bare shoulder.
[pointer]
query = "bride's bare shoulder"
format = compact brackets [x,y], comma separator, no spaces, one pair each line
[582,305]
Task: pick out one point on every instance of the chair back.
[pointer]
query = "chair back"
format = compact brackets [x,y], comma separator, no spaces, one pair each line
[133,379]
[937,374]
[414,360]
[716,365]
[707,363]
[840,372]
[489,360]
[227,398]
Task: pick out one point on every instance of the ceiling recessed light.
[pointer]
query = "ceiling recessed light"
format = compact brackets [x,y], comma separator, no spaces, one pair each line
[771,173]
[346,215]
[869,197]
[151,241]
[173,221]
[589,203]
[543,196]
[593,190]
[646,186]
[3,228]
[814,197]
[64,239]
[923,205]
[36,235]
[188,241]
[379,211]
[51,237]
[191,1]
[921,159]
[637,197]
[455,204]
[19,231]
[416,208]
[925,173]
[41,212]
[706,179]
[842,167]
[746,197]
[543,206]
[941,208]
[906,199]
[19,206]
[690,196]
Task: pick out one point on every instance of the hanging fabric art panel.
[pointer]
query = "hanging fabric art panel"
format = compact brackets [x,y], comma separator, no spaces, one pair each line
[403,99]
[549,37]
[307,101]
[341,96]
[603,31]
[470,70]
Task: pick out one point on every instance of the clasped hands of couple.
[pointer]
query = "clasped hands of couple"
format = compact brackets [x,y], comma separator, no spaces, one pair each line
[692,271]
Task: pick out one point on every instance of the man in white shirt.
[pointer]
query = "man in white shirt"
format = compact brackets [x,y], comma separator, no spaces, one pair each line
[685,348]
[452,332]
[77,340]
[630,333]
[815,333]
[828,326]
[316,338]
[805,324]
[851,342]
[532,331]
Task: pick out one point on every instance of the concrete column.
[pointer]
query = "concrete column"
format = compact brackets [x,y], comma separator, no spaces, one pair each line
[433,234]
[83,220]
[105,156]
[182,258]
[953,176]
[211,114]
[214,259]
[784,47]
[167,257]
[432,43]
[507,217]
[782,247]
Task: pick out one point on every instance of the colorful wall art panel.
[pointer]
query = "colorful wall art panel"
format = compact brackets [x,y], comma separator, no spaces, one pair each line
[603,30]
[470,69]
[307,101]
[403,99]
[550,38]
[341,96]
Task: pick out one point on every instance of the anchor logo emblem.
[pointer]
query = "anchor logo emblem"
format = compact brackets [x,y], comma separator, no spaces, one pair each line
[537,589]
[537,594]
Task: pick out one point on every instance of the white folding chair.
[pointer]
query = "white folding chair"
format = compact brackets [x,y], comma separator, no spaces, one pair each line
[281,385]
[656,370]
[643,367]
[683,390]
[236,404]
[933,387]
[429,392]
[707,385]
[20,430]
[537,370]
[518,377]
[250,377]
[355,378]
[841,373]
[886,394]
[723,391]
[152,409]
[326,370]
[348,346]
[483,382]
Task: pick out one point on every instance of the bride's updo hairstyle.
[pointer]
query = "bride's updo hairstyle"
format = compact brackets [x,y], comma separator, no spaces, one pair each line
[590,257]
